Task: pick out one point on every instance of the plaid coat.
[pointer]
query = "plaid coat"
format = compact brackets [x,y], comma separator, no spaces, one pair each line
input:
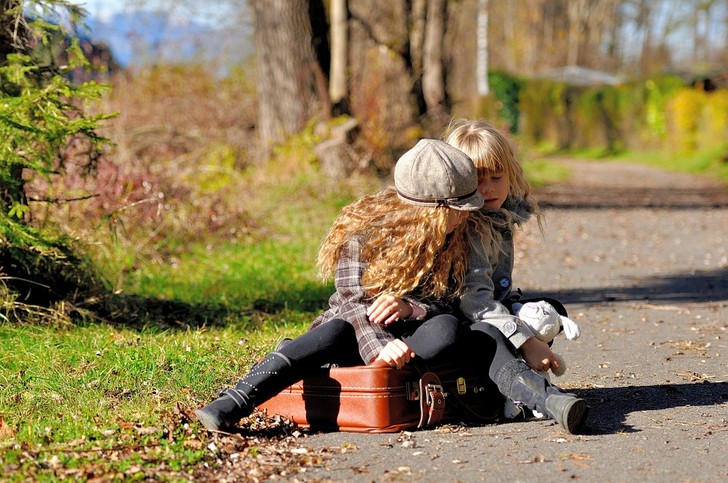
[350,302]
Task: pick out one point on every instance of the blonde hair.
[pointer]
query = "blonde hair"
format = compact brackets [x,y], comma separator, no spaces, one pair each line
[406,247]
[492,150]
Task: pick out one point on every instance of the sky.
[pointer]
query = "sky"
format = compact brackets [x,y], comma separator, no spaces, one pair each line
[104,9]
[202,12]
[182,32]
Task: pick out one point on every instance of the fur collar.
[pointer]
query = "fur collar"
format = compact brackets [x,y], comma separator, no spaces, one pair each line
[514,210]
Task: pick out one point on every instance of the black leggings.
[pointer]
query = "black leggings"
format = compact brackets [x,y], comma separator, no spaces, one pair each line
[334,342]
[485,346]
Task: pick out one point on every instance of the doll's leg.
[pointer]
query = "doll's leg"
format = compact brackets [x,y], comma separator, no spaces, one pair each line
[333,341]
[517,382]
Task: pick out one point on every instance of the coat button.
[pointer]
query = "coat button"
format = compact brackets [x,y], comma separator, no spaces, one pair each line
[510,328]
[504,282]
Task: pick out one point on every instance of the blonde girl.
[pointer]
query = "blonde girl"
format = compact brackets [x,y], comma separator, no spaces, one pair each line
[488,294]
[398,258]
[508,204]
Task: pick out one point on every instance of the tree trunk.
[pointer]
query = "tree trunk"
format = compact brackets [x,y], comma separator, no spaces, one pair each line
[338,86]
[433,77]
[482,49]
[291,85]
[575,12]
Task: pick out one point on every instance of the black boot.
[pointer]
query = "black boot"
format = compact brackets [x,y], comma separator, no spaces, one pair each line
[521,385]
[265,380]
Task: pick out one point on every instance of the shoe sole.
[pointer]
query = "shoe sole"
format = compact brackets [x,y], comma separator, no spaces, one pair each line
[209,422]
[576,416]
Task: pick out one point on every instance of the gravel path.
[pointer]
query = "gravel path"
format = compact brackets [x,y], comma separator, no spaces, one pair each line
[639,258]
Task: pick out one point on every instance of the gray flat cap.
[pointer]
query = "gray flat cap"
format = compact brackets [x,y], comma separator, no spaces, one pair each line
[433,173]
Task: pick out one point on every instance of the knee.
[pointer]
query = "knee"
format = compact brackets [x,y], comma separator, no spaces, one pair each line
[483,334]
[338,325]
[489,330]
[337,328]
[443,328]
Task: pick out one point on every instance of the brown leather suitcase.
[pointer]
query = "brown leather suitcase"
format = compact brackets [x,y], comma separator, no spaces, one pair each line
[382,399]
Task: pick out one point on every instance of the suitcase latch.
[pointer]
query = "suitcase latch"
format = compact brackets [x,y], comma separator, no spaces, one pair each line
[413,391]
[432,400]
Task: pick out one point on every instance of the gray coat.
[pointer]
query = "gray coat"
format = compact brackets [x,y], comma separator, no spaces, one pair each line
[489,279]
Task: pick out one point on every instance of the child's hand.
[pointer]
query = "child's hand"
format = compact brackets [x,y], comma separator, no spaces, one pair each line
[538,355]
[387,309]
[396,354]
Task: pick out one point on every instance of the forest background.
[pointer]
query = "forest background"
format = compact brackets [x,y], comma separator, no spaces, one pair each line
[159,221]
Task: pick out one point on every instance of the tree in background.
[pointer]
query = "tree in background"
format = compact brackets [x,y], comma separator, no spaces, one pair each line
[292,74]
[338,85]
[433,71]
[403,67]
[386,62]
[44,128]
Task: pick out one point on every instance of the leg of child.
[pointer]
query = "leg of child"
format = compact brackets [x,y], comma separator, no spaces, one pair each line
[517,382]
[433,337]
[332,342]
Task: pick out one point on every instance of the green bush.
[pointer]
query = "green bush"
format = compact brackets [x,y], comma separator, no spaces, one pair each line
[536,111]
[683,113]
[653,114]
[506,90]
[44,128]
[715,119]
[657,93]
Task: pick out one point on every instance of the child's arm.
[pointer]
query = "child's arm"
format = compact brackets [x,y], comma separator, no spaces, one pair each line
[478,303]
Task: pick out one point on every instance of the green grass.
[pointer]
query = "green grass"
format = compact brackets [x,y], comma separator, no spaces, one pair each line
[70,397]
[238,275]
[541,172]
[711,162]
[98,399]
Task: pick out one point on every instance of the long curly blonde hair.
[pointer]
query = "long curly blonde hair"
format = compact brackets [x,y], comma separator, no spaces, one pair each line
[406,247]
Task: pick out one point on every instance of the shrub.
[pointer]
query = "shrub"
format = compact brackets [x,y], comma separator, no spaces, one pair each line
[506,89]
[684,112]
[44,127]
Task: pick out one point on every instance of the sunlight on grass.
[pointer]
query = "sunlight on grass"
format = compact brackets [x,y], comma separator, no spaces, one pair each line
[70,392]
[236,274]
[708,162]
[70,396]
[83,381]
[541,172]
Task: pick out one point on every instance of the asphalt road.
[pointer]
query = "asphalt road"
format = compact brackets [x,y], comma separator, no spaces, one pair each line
[640,259]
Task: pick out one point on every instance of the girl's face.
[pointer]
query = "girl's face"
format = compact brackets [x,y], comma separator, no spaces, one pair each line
[455,218]
[494,187]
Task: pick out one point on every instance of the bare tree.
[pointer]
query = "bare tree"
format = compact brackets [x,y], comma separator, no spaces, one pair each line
[291,84]
[482,49]
[577,13]
[338,86]
[701,25]
[433,76]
